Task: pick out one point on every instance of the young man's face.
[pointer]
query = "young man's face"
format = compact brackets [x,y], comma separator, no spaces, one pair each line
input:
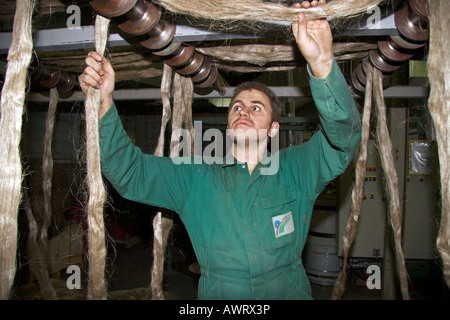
[251,114]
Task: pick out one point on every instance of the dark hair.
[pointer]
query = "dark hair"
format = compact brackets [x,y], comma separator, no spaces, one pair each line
[275,103]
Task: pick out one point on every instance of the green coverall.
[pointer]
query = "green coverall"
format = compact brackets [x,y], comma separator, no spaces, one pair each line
[248,231]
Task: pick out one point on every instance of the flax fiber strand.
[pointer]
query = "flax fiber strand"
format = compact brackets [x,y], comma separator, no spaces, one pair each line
[156,291]
[13,96]
[258,10]
[392,193]
[163,221]
[357,191]
[37,249]
[97,194]
[36,256]
[439,106]
[47,168]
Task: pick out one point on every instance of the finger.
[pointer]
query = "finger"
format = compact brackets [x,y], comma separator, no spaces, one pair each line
[301,30]
[95,55]
[305,4]
[314,3]
[86,81]
[97,66]
[92,78]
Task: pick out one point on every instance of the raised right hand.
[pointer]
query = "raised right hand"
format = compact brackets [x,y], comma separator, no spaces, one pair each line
[98,74]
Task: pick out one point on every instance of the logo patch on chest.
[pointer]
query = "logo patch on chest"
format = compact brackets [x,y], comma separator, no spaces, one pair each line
[283,224]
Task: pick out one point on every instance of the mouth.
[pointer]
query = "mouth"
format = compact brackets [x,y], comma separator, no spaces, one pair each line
[242,122]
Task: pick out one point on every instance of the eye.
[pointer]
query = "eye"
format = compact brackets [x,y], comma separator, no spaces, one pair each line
[237,108]
[256,108]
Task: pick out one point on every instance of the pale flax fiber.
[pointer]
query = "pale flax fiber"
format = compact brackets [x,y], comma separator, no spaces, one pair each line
[358,188]
[97,193]
[439,106]
[386,151]
[258,10]
[155,290]
[12,100]
[163,221]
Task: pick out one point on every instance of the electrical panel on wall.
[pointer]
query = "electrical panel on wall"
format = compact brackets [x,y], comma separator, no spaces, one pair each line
[369,240]
[420,199]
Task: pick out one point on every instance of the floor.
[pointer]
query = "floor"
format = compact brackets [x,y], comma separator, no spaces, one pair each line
[181,283]
[129,266]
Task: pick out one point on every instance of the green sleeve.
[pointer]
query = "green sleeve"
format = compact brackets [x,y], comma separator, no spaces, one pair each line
[328,153]
[137,176]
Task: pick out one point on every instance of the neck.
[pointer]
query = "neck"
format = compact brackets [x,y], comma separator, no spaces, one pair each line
[250,153]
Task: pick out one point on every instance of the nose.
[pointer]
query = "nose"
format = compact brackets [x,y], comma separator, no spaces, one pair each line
[243,112]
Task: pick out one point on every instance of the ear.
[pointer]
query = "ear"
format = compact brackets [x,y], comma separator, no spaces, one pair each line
[274,129]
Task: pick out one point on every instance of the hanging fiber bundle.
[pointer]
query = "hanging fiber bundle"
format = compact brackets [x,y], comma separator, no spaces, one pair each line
[439,106]
[182,115]
[47,168]
[161,222]
[393,198]
[12,100]
[37,249]
[357,192]
[97,194]
[37,258]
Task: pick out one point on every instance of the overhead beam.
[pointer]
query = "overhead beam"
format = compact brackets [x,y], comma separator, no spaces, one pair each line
[394,92]
[64,39]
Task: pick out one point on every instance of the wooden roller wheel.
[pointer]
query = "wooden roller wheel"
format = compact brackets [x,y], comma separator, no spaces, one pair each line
[407,28]
[209,80]
[66,82]
[52,81]
[112,8]
[204,72]
[388,52]
[194,66]
[378,62]
[142,18]
[160,36]
[181,57]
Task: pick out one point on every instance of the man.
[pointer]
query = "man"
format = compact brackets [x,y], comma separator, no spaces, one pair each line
[248,229]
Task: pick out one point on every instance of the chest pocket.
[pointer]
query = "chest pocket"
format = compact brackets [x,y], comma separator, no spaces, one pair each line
[278,219]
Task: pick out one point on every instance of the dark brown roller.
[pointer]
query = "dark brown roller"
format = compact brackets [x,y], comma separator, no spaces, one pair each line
[112,8]
[52,81]
[389,53]
[193,66]
[420,10]
[406,25]
[160,36]
[204,72]
[357,85]
[360,74]
[169,50]
[209,80]
[142,18]
[66,82]
[181,57]
[378,62]
[401,44]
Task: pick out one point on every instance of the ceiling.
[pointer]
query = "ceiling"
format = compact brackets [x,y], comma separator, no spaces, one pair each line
[265,51]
